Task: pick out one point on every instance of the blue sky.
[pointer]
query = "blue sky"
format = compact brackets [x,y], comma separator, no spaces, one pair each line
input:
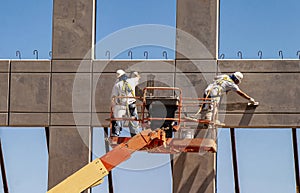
[264,155]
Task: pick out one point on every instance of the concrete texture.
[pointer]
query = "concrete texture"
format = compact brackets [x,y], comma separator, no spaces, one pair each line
[29,119]
[68,152]
[70,119]
[273,83]
[31,66]
[76,66]
[71,92]
[72,29]
[30,92]
[3,119]
[198,19]
[4,65]
[145,66]
[4,90]
[193,173]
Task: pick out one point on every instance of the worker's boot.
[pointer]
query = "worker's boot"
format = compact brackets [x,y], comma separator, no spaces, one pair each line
[207,116]
[116,130]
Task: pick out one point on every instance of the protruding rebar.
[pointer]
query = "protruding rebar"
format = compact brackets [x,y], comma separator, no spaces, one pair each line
[36,53]
[146,54]
[280,54]
[260,54]
[130,54]
[107,53]
[240,54]
[18,54]
[165,54]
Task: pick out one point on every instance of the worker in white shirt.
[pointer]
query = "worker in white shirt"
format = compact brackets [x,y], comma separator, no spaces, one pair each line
[123,102]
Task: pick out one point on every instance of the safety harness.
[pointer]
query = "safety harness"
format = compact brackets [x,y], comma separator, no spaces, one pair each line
[218,84]
[128,89]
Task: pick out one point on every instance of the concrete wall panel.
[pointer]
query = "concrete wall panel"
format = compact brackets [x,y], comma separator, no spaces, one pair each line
[30,66]
[259,66]
[133,65]
[29,119]
[4,90]
[68,152]
[71,92]
[72,29]
[276,92]
[76,66]
[196,66]
[30,92]
[3,119]
[252,120]
[194,173]
[4,65]
[70,119]
[198,18]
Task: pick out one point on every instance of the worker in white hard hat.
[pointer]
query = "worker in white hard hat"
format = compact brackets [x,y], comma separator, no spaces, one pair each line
[124,107]
[222,84]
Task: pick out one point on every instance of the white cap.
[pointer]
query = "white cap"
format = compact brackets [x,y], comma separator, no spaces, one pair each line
[120,73]
[239,76]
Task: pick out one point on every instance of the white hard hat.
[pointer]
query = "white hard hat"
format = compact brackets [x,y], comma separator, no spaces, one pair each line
[239,76]
[120,73]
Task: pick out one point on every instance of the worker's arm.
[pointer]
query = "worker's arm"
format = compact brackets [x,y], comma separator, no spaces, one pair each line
[242,94]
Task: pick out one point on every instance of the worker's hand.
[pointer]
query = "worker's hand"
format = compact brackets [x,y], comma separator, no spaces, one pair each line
[251,100]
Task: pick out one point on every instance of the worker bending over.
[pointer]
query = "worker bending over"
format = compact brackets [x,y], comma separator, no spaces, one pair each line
[124,107]
[221,85]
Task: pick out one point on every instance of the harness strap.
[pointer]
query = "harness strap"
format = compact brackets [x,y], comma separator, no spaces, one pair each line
[127,88]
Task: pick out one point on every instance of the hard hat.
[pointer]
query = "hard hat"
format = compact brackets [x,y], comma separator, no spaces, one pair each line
[120,73]
[239,76]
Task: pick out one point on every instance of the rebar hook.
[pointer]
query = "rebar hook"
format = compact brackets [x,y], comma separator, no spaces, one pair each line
[107,53]
[280,54]
[35,52]
[146,54]
[50,54]
[18,53]
[130,54]
[240,54]
[222,56]
[260,54]
[298,53]
[165,54]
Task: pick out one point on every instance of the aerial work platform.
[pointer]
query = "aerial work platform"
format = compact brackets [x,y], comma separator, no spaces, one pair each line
[160,117]
[165,109]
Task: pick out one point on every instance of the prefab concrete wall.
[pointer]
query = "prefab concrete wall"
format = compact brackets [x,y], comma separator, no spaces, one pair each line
[71,93]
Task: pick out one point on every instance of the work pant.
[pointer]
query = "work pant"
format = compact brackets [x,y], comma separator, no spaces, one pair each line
[210,112]
[125,111]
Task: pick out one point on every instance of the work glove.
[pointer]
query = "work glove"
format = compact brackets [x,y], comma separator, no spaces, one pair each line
[251,100]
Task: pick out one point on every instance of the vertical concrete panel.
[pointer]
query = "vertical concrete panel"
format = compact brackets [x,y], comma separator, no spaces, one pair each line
[72,29]
[198,18]
[68,152]
[4,91]
[194,173]
[4,84]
